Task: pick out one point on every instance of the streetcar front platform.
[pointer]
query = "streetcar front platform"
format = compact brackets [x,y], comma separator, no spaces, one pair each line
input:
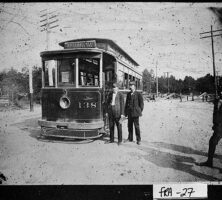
[71,129]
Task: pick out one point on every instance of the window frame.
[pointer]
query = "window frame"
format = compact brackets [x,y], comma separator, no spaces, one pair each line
[76,55]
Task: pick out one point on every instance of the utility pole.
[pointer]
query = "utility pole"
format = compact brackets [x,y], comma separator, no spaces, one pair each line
[152,79]
[213,57]
[168,84]
[156,80]
[150,84]
[217,77]
[48,22]
[31,90]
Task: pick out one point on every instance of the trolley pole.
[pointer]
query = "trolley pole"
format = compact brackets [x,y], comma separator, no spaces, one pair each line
[31,90]
[213,56]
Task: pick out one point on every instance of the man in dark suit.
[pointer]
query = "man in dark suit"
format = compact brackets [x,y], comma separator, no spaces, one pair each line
[115,111]
[217,131]
[133,109]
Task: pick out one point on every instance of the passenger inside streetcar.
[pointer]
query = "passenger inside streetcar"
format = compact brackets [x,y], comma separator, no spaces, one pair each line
[88,72]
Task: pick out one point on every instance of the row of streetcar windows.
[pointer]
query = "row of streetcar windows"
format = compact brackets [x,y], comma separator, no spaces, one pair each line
[88,73]
[124,78]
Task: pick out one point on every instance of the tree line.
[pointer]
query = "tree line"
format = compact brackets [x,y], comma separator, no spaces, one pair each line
[14,83]
[186,86]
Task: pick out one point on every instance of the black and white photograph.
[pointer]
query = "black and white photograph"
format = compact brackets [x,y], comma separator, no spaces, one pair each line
[110,93]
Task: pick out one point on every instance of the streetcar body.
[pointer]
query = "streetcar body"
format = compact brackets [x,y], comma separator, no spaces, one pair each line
[75,83]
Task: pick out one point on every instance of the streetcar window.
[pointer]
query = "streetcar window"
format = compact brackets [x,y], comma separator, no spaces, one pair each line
[89,72]
[136,80]
[67,68]
[49,73]
[83,78]
[126,80]
[130,77]
[120,76]
[109,76]
[139,84]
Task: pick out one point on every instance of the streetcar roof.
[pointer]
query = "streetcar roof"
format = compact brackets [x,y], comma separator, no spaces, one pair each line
[103,40]
[67,51]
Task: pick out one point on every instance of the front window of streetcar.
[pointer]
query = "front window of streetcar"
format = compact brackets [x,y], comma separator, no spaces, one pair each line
[71,72]
[67,71]
[49,71]
[88,72]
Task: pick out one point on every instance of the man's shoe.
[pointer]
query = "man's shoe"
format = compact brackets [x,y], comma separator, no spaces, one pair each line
[138,142]
[128,140]
[119,143]
[207,164]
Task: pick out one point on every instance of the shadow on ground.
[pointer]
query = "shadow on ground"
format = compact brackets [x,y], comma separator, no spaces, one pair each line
[154,155]
[183,149]
[169,160]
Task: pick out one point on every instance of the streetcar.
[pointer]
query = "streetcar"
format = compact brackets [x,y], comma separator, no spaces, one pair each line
[75,84]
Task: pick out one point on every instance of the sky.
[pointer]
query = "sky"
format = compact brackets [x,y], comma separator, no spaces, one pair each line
[162,35]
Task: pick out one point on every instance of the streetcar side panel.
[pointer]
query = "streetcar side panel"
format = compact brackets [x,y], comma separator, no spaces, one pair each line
[85,106]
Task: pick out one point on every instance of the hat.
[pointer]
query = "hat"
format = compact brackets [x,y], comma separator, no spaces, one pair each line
[132,83]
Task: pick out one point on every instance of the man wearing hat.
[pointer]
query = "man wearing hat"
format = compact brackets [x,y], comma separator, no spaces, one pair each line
[133,109]
[217,128]
[115,111]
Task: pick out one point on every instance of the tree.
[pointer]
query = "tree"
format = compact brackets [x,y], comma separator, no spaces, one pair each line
[146,80]
[162,84]
[37,82]
[205,84]
[14,83]
[188,85]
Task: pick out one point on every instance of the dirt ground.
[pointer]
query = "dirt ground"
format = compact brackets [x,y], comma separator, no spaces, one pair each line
[174,136]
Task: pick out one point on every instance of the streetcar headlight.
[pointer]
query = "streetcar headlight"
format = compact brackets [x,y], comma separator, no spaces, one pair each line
[64,102]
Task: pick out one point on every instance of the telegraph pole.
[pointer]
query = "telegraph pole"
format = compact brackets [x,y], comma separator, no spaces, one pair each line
[168,84]
[213,57]
[31,90]
[217,77]
[156,80]
[49,20]
[150,84]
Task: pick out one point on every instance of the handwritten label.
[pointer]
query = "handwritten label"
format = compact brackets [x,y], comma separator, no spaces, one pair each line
[179,191]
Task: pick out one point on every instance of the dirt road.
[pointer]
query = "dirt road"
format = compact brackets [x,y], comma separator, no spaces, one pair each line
[174,135]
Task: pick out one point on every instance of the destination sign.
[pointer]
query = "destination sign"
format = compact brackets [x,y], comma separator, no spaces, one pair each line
[80,44]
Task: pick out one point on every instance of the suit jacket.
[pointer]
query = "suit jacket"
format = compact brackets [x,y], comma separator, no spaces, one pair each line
[217,114]
[134,104]
[118,109]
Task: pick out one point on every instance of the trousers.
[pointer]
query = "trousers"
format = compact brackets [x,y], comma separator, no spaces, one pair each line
[215,138]
[112,121]
[133,121]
